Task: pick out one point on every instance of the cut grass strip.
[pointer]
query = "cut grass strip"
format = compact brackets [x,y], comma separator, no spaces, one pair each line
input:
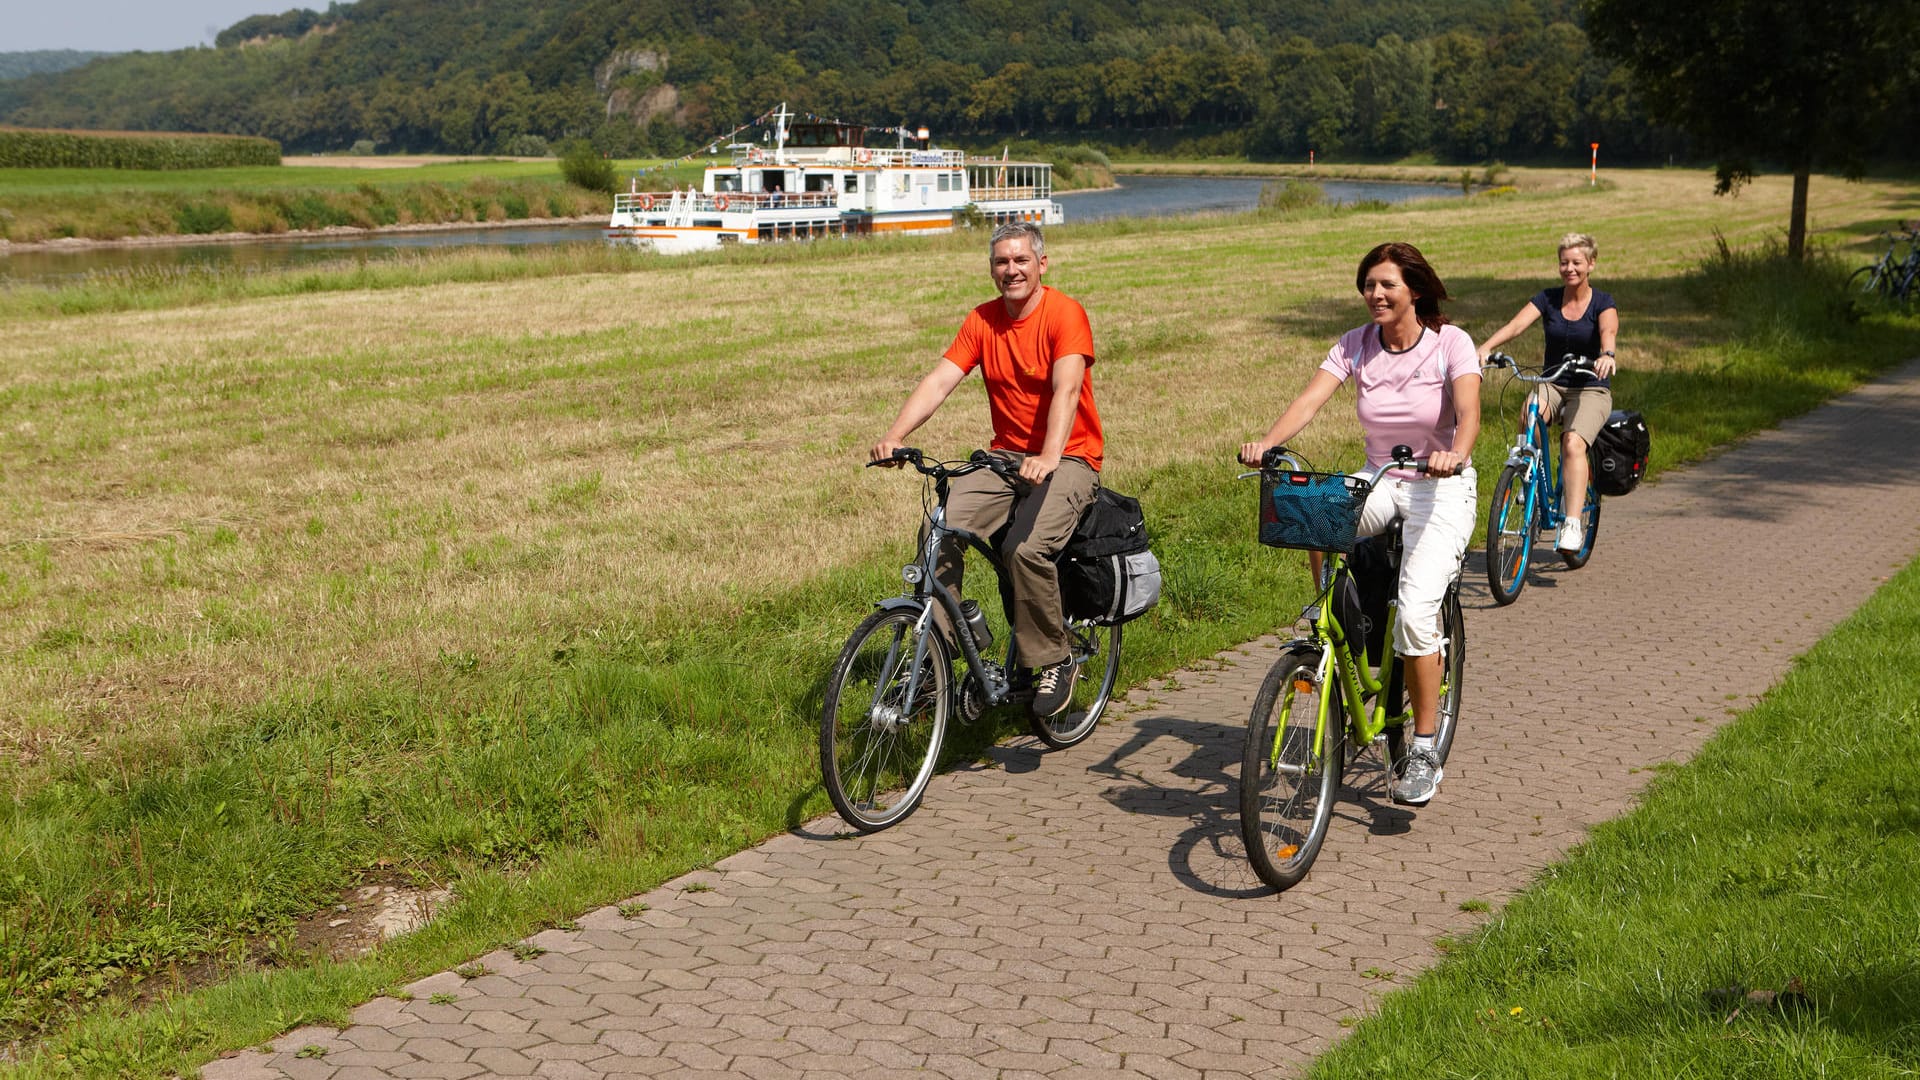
[1784,857]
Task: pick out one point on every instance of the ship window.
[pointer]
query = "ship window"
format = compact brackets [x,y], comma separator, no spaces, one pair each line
[726,182]
[819,182]
[946,182]
[851,183]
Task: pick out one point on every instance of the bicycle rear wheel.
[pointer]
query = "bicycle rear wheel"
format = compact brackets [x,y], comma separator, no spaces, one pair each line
[1096,654]
[878,749]
[1509,535]
[1590,520]
[1290,769]
[1453,670]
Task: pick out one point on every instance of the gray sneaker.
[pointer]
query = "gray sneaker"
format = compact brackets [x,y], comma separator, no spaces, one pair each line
[1419,781]
[1053,688]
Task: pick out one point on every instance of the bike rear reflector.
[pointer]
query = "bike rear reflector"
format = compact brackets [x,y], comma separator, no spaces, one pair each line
[1286,851]
[1302,686]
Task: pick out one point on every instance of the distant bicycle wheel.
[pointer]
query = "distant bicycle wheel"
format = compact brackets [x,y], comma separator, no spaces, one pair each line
[1869,279]
[1509,535]
[1288,777]
[881,729]
[1096,652]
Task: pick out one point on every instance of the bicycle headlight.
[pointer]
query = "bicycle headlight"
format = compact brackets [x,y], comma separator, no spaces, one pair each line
[911,573]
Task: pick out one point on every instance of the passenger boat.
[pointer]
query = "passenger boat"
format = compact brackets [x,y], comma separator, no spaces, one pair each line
[821,179]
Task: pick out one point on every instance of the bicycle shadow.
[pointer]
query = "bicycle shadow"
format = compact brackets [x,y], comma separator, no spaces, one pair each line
[1543,572]
[1208,856]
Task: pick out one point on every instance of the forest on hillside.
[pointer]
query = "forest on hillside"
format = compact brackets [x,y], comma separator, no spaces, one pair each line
[1465,80]
[15,65]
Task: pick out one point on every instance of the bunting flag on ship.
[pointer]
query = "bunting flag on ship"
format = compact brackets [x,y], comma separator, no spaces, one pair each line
[714,144]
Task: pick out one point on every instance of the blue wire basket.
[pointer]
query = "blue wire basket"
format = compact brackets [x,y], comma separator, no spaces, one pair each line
[1311,511]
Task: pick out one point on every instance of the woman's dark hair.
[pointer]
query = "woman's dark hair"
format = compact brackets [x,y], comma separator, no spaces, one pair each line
[1427,288]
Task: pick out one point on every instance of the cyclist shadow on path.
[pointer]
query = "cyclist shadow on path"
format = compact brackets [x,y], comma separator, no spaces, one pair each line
[1208,856]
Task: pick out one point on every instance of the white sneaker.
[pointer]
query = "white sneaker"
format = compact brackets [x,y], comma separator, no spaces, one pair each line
[1571,537]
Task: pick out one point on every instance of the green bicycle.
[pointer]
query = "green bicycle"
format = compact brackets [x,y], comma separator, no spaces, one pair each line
[1325,701]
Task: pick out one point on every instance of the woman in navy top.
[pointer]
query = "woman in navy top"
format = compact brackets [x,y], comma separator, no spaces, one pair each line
[1581,320]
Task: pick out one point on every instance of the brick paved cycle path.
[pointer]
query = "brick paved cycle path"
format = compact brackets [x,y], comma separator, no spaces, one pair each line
[1089,913]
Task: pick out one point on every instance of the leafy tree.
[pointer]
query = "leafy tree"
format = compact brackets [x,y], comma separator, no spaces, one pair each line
[1803,84]
[583,167]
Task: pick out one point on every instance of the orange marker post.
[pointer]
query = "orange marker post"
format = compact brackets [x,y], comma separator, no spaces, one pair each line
[1593,169]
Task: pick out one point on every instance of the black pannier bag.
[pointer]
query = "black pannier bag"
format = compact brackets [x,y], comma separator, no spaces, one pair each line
[1619,453]
[1361,594]
[1107,573]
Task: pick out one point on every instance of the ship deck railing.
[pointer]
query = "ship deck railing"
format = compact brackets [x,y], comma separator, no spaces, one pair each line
[1009,194]
[701,202]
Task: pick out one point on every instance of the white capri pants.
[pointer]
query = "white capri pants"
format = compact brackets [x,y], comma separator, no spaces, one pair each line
[1438,521]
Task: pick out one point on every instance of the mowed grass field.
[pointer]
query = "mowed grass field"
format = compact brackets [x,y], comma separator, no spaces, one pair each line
[528,583]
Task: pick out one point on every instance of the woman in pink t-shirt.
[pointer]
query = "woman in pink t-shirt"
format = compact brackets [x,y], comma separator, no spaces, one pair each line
[1417,383]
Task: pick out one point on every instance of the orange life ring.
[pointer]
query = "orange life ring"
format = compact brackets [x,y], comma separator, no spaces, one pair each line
[720,202]
[646,202]
[756,155]
[865,155]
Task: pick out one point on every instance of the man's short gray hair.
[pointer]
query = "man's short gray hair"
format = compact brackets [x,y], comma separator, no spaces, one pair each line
[1014,230]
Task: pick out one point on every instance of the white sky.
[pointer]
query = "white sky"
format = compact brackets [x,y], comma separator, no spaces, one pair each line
[124,25]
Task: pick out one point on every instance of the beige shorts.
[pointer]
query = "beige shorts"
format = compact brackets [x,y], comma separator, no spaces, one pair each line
[1582,410]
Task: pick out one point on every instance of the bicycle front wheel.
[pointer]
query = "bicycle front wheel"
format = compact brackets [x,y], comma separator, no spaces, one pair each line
[1590,521]
[1868,279]
[1509,536]
[1096,655]
[879,739]
[1290,768]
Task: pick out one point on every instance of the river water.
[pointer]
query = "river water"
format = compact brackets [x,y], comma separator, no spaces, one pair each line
[1137,196]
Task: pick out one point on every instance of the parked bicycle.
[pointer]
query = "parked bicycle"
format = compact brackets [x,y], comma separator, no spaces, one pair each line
[894,687]
[1526,499]
[1891,277]
[1327,699]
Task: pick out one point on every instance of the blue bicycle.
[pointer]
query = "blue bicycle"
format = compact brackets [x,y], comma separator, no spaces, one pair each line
[1526,500]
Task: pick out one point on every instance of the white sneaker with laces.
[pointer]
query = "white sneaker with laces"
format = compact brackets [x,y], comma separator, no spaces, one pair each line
[1419,780]
[1571,537]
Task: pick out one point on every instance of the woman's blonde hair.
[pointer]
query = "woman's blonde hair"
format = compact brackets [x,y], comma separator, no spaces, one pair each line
[1582,241]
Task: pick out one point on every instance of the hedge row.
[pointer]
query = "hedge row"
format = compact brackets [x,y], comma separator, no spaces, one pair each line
[24,148]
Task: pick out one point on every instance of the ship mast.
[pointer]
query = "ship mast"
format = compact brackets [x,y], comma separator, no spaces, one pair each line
[780,118]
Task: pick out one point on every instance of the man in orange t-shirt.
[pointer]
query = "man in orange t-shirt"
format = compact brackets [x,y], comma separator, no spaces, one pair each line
[1033,347]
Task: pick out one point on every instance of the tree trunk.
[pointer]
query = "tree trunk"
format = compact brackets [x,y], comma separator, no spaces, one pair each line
[1797,223]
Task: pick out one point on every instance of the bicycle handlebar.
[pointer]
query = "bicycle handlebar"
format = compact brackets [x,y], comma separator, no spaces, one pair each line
[1569,362]
[946,470]
[1278,456]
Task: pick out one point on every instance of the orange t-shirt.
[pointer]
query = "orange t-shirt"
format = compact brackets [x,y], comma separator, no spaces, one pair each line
[1016,360]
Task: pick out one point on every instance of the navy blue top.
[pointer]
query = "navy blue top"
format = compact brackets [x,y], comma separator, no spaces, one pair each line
[1580,336]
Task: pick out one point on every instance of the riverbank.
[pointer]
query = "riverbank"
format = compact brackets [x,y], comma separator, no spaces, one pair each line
[1525,179]
[42,206]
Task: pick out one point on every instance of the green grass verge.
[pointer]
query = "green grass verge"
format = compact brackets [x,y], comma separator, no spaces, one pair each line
[109,204]
[1784,854]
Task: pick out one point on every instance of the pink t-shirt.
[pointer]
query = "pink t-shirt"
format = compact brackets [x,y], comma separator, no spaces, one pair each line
[1404,397]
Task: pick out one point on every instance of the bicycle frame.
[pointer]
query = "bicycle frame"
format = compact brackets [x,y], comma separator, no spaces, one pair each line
[1357,679]
[929,590]
[1533,453]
